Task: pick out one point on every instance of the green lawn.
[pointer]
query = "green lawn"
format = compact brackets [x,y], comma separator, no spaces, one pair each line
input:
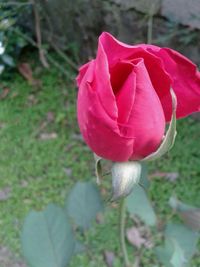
[43,155]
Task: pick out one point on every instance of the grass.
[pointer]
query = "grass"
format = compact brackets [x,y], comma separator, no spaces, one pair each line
[39,169]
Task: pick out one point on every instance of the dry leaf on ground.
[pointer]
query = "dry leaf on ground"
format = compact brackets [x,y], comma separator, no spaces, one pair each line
[7,259]
[109,258]
[48,136]
[134,237]
[5,193]
[170,176]
[4,93]
[26,71]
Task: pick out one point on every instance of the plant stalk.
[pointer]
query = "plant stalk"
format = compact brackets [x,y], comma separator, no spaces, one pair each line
[122,219]
[150,29]
[150,24]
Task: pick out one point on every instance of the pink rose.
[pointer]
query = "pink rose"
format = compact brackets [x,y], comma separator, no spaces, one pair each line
[124,99]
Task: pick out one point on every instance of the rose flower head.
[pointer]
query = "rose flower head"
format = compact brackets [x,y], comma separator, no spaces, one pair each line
[124,100]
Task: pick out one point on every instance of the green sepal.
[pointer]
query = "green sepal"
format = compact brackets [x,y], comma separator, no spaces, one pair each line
[170,136]
[98,168]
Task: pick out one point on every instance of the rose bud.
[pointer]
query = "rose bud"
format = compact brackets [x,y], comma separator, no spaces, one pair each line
[124,99]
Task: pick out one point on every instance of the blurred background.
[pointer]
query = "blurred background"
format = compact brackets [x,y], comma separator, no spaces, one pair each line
[42,154]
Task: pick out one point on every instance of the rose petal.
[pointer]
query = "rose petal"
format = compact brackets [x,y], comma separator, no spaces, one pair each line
[166,68]
[82,71]
[123,82]
[99,131]
[102,83]
[107,143]
[160,79]
[116,51]
[147,116]
[121,110]
[185,81]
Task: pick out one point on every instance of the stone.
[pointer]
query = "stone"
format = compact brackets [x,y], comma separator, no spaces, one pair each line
[145,6]
[186,12]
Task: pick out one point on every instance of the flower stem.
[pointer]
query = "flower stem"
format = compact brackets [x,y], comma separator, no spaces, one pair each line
[122,215]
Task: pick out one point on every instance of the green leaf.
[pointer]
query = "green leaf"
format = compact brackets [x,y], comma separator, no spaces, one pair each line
[189,214]
[47,238]
[79,247]
[164,253]
[171,254]
[83,204]
[186,238]
[144,181]
[8,60]
[1,68]
[170,136]
[178,257]
[138,204]
[177,205]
